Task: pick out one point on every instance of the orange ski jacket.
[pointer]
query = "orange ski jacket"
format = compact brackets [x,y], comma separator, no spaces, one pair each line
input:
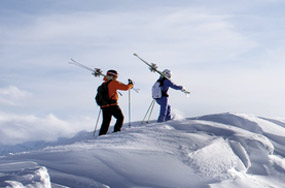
[113,86]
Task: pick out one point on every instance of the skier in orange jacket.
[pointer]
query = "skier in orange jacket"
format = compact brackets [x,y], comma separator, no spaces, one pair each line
[113,108]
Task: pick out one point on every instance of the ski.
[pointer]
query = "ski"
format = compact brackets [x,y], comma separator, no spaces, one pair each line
[153,68]
[96,72]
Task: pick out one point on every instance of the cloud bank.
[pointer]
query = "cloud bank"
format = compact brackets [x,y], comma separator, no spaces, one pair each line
[16,129]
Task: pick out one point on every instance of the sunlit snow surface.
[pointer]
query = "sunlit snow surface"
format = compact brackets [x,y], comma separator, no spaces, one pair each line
[219,151]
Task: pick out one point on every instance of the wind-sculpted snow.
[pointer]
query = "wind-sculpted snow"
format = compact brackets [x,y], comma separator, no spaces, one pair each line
[24,174]
[221,150]
[272,129]
[234,120]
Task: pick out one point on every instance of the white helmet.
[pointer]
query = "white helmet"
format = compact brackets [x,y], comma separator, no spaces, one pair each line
[167,73]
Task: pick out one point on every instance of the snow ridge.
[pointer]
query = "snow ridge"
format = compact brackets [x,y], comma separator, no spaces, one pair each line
[221,150]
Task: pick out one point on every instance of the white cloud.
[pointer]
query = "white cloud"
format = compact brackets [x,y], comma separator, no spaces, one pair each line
[15,129]
[12,95]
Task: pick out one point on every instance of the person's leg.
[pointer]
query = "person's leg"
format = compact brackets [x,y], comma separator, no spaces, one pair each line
[117,113]
[168,113]
[163,109]
[107,116]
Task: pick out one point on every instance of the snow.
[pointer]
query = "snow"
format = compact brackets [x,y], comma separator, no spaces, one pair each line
[227,150]
[24,174]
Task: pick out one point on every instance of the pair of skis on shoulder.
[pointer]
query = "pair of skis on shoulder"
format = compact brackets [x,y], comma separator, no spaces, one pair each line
[96,71]
[153,68]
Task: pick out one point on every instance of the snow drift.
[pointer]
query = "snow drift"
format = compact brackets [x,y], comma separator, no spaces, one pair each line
[222,150]
[24,174]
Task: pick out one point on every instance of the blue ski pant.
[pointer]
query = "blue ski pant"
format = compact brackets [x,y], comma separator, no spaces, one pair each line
[165,109]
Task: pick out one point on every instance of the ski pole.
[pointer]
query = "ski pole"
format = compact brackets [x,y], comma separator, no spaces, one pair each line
[153,103]
[129,108]
[148,110]
[94,132]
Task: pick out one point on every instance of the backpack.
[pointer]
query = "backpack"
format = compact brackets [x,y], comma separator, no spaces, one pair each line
[157,91]
[102,97]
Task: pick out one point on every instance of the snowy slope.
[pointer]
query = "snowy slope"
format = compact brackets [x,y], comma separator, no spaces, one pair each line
[221,150]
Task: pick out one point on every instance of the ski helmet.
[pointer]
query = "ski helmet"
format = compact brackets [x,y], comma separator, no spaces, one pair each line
[112,73]
[167,73]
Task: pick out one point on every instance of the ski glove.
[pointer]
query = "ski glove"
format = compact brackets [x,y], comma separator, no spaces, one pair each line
[130,81]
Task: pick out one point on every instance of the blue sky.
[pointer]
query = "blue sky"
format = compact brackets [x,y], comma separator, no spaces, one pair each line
[229,54]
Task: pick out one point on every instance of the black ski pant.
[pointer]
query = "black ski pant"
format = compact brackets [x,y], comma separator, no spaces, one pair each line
[108,112]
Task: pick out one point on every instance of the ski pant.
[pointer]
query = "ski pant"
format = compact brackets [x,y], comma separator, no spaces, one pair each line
[108,112]
[165,109]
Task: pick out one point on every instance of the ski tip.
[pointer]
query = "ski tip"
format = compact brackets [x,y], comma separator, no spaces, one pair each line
[135,54]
